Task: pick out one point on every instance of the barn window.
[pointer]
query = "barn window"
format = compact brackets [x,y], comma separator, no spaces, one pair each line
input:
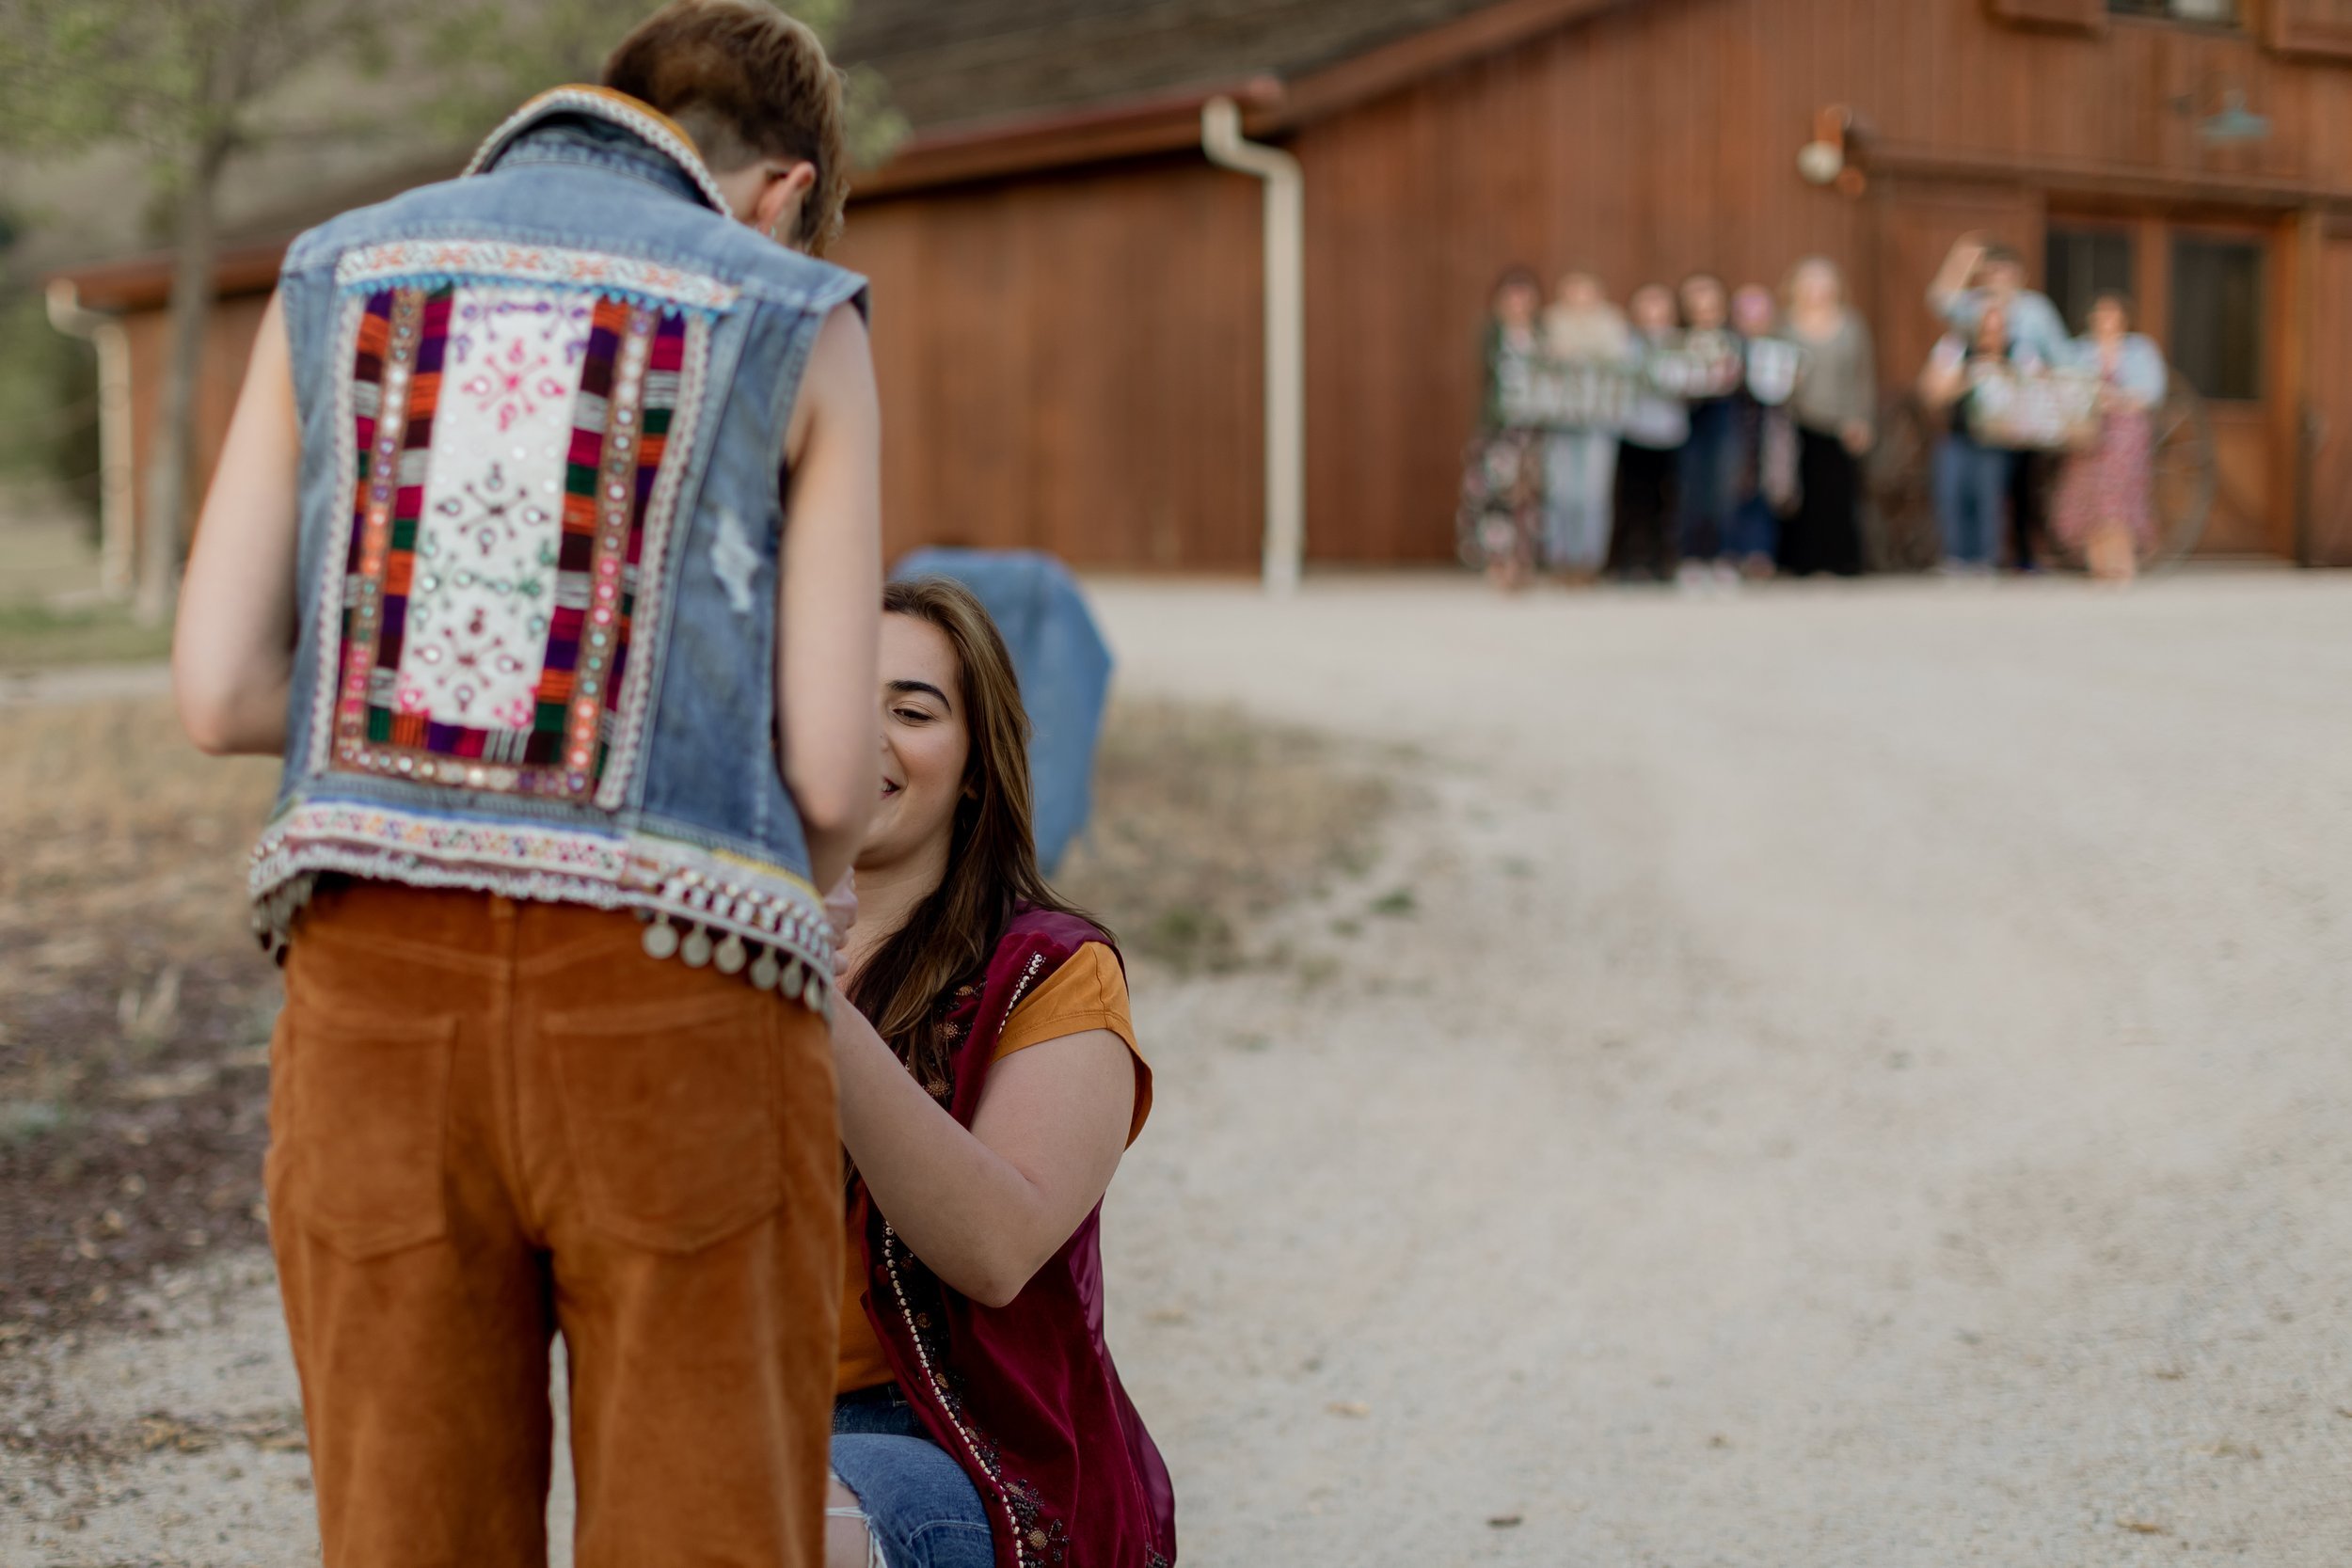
[2212,13]
[2217,315]
[2080,264]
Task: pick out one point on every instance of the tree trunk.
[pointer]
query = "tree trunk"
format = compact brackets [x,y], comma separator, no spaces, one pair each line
[162,524]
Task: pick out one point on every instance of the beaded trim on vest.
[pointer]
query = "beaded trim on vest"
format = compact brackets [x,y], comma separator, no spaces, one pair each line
[1037,1539]
[734,916]
[658,128]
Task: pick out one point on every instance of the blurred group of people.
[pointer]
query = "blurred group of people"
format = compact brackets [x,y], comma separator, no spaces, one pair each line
[1707,435]
[1732,452]
[2098,426]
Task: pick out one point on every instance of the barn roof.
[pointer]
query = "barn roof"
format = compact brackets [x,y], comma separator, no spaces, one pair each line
[990,60]
[993,89]
[996,88]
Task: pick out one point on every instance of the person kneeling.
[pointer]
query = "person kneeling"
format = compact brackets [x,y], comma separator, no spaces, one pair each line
[989,1083]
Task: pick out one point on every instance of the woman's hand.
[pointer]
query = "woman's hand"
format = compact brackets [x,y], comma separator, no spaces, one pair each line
[1956,273]
[1856,434]
[841,914]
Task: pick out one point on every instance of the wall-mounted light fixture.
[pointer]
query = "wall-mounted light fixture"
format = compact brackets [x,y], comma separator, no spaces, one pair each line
[2234,122]
[2231,124]
[1822,161]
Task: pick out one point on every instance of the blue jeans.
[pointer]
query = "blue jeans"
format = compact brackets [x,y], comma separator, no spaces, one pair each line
[918,1502]
[1709,476]
[1971,487]
[1755,530]
[1579,474]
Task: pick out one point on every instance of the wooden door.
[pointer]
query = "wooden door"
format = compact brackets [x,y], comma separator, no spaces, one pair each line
[2210,291]
[2222,303]
[2328,542]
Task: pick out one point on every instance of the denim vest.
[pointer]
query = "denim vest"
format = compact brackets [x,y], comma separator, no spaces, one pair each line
[544,408]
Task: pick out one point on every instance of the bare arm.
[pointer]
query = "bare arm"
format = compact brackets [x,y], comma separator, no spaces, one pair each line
[985,1208]
[1861,426]
[1951,278]
[1945,375]
[232,650]
[829,596]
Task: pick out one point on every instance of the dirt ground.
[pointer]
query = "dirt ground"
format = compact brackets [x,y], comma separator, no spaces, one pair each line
[1833,1077]
[137,1327]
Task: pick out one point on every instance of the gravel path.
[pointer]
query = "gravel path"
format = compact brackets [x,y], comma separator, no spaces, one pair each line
[1865,1085]
[1825,1078]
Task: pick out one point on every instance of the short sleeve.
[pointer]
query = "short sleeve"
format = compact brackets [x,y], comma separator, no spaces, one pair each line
[2144,373]
[1087,991]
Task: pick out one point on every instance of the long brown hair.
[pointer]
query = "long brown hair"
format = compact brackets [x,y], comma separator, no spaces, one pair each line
[992,852]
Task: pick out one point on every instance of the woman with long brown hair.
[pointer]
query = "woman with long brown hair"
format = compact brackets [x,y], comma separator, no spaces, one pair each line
[989,1081]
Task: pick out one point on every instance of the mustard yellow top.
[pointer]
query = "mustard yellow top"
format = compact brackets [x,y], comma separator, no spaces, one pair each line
[1087,991]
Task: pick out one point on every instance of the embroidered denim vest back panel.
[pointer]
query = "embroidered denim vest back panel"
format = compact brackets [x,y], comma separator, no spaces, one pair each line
[543,411]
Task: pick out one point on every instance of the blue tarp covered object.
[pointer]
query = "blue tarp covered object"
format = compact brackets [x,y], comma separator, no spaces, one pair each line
[1065,670]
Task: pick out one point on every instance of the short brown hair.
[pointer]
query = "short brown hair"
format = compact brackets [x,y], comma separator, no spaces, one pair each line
[746,81]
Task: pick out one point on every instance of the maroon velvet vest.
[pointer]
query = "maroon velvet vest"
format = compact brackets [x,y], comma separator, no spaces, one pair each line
[1025,1395]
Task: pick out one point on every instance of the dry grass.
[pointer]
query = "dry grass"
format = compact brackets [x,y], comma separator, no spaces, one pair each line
[1206,821]
[121,837]
[38,637]
[132,1004]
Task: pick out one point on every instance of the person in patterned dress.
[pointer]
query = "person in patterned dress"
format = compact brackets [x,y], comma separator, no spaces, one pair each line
[2105,510]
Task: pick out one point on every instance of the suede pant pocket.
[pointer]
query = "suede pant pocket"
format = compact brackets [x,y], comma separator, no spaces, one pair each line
[358,1126]
[670,1116]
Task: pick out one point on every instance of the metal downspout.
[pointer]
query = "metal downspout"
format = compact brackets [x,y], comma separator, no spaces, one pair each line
[1285,266]
[117,512]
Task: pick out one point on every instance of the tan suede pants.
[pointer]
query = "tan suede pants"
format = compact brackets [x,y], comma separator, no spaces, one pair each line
[491,1119]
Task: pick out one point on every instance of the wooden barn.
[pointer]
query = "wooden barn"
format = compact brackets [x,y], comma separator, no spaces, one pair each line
[1159,280]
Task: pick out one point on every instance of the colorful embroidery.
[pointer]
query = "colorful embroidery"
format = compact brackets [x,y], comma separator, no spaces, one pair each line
[439,263]
[1046,1538]
[483,590]
[499,550]
[675,371]
[707,890]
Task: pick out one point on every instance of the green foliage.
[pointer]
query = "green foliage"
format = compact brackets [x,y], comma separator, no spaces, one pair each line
[193,83]
[165,75]
[175,76]
[48,401]
[876,128]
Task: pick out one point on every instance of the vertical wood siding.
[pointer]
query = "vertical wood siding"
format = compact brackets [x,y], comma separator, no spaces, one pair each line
[2329,540]
[1660,139]
[1073,365]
